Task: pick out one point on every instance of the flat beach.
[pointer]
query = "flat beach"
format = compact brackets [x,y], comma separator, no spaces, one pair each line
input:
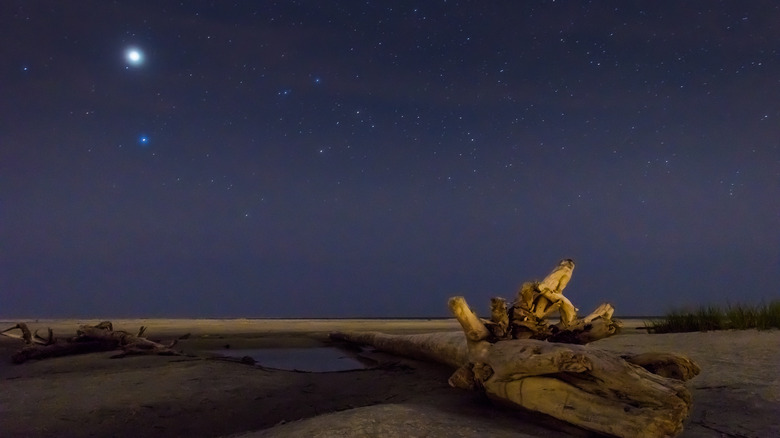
[200,394]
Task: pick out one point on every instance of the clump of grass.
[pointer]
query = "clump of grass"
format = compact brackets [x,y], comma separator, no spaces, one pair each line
[769,317]
[742,317]
[739,317]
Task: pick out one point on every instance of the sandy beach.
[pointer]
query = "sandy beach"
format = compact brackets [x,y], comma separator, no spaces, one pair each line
[200,395]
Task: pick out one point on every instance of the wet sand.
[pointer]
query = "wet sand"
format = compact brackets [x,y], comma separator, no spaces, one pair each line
[737,393]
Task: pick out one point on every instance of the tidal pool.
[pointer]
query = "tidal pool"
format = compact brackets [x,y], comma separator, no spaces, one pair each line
[316,359]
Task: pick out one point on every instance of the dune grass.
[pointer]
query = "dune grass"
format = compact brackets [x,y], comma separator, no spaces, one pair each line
[732,317]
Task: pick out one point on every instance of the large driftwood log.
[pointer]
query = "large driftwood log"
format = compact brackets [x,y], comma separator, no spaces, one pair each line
[586,387]
[590,388]
[88,339]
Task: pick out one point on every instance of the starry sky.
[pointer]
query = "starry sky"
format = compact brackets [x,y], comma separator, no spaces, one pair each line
[373,158]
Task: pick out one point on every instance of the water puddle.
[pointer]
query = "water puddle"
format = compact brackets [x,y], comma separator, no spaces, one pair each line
[317,359]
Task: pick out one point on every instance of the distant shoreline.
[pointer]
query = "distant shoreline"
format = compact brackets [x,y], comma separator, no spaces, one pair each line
[268,318]
[161,327]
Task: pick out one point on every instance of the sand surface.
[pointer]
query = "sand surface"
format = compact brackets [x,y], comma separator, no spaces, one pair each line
[736,395]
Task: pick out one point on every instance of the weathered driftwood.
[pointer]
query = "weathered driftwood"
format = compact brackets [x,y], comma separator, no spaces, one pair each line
[527,317]
[590,388]
[587,387]
[88,339]
[28,337]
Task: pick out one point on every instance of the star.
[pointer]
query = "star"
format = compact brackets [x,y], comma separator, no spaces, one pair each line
[143,140]
[134,56]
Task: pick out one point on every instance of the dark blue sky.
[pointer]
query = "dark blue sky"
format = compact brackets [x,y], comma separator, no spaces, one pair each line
[320,159]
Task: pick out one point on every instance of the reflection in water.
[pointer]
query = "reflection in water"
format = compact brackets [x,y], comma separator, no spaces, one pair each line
[320,359]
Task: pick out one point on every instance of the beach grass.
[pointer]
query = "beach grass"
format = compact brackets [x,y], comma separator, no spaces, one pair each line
[706,318]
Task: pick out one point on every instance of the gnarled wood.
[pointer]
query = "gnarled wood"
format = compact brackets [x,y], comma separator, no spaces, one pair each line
[527,317]
[25,335]
[550,293]
[473,327]
[88,339]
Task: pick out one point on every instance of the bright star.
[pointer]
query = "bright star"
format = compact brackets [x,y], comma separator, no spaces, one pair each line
[143,140]
[134,56]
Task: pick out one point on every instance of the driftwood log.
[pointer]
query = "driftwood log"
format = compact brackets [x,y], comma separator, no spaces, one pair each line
[518,360]
[88,339]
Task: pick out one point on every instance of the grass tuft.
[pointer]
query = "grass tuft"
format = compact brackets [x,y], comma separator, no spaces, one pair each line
[732,317]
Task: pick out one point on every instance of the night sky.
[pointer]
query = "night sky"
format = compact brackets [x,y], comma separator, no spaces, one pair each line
[373,158]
